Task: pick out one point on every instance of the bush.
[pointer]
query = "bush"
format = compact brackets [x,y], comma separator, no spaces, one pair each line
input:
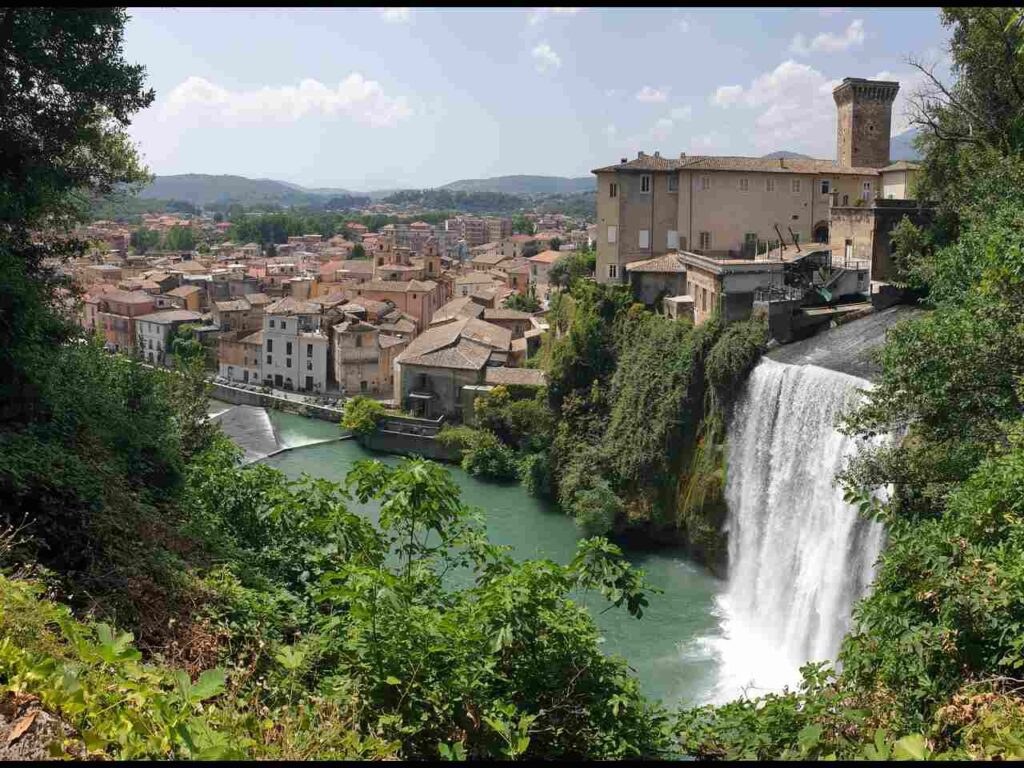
[361,415]
[483,454]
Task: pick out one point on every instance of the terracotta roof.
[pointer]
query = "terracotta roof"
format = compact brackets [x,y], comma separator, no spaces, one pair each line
[474,278]
[516,376]
[127,297]
[737,163]
[401,286]
[258,299]
[503,313]
[546,257]
[670,262]
[490,257]
[184,291]
[386,342]
[232,305]
[170,316]
[463,306]
[465,343]
[290,306]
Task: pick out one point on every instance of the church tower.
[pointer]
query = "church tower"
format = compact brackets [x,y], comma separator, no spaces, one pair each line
[865,121]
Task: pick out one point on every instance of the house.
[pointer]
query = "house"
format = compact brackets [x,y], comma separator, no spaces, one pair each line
[728,284]
[440,361]
[117,313]
[364,357]
[236,315]
[239,355]
[187,297]
[466,284]
[540,265]
[515,322]
[417,298]
[727,207]
[295,346]
[459,307]
[156,331]
[656,278]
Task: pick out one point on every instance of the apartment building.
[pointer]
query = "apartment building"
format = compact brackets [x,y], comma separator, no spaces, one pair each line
[156,331]
[295,346]
[729,207]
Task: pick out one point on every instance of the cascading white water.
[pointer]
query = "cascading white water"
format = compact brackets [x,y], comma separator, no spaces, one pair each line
[799,555]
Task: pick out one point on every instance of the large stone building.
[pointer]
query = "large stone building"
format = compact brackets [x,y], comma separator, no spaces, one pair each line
[735,207]
[295,346]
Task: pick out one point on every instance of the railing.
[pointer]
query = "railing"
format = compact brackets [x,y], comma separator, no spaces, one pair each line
[775,293]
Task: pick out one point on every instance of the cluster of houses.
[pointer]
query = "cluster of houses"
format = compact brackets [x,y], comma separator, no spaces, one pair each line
[404,323]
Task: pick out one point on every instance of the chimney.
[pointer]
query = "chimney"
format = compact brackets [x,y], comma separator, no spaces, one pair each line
[682,155]
[623,161]
[657,154]
[640,155]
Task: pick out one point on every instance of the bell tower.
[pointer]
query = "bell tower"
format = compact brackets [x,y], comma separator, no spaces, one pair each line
[864,122]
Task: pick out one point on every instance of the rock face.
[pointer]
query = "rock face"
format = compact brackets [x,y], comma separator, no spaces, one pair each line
[28,732]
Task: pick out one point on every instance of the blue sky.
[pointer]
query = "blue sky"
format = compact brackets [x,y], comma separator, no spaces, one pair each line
[371,98]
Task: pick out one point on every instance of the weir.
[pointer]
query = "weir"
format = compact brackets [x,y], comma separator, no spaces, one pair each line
[799,555]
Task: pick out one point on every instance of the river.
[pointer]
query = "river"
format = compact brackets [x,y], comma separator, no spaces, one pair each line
[673,648]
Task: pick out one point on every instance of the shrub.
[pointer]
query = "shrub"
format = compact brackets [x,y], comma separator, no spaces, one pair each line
[361,415]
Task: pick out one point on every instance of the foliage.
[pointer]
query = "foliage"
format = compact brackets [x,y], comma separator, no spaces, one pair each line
[142,239]
[574,265]
[180,238]
[361,415]
[521,225]
[449,200]
[358,252]
[523,302]
[483,454]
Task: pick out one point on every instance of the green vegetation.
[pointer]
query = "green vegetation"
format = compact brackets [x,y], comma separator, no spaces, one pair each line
[167,603]
[361,415]
[524,302]
[931,668]
[572,266]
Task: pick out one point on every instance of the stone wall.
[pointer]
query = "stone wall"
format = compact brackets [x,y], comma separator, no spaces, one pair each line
[244,397]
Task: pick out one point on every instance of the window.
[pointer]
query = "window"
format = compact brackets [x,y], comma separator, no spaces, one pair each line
[645,238]
[613,190]
[287,362]
[613,271]
[673,183]
[613,234]
[270,345]
[645,184]
[359,340]
[705,241]
[672,240]
[744,185]
[288,348]
[682,243]
[270,360]
[309,365]
[284,325]
[705,182]
[796,185]
[271,322]
[826,186]
[846,199]
[769,185]
[867,190]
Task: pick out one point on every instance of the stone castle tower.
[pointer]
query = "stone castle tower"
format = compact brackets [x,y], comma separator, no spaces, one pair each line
[865,121]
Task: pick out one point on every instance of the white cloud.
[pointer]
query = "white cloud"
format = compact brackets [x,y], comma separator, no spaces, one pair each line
[727,95]
[539,14]
[796,109]
[395,15]
[546,59]
[827,42]
[650,95]
[355,97]
[683,25]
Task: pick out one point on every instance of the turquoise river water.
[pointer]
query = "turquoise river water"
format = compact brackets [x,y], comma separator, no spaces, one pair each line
[673,648]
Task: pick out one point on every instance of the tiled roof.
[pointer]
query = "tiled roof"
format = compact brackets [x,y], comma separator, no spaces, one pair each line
[127,297]
[463,306]
[386,342]
[670,262]
[233,305]
[170,316]
[502,313]
[516,376]
[401,286]
[258,299]
[465,343]
[474,278]
[290,306]
[737,163]
[902,165]
[184,291]
[546,257]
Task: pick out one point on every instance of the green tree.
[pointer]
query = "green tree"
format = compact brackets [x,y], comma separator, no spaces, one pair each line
[180,238]
[142,239]
[521,225]
[361,415]
[358,252]
[524,302]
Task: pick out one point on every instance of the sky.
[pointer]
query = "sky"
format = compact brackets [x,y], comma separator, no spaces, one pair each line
[378,98]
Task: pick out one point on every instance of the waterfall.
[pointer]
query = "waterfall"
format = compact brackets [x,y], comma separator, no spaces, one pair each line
[799,555]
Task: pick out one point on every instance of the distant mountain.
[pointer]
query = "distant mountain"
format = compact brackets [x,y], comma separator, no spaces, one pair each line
[901,147]
[785,154]
[205,189]
[525,185]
